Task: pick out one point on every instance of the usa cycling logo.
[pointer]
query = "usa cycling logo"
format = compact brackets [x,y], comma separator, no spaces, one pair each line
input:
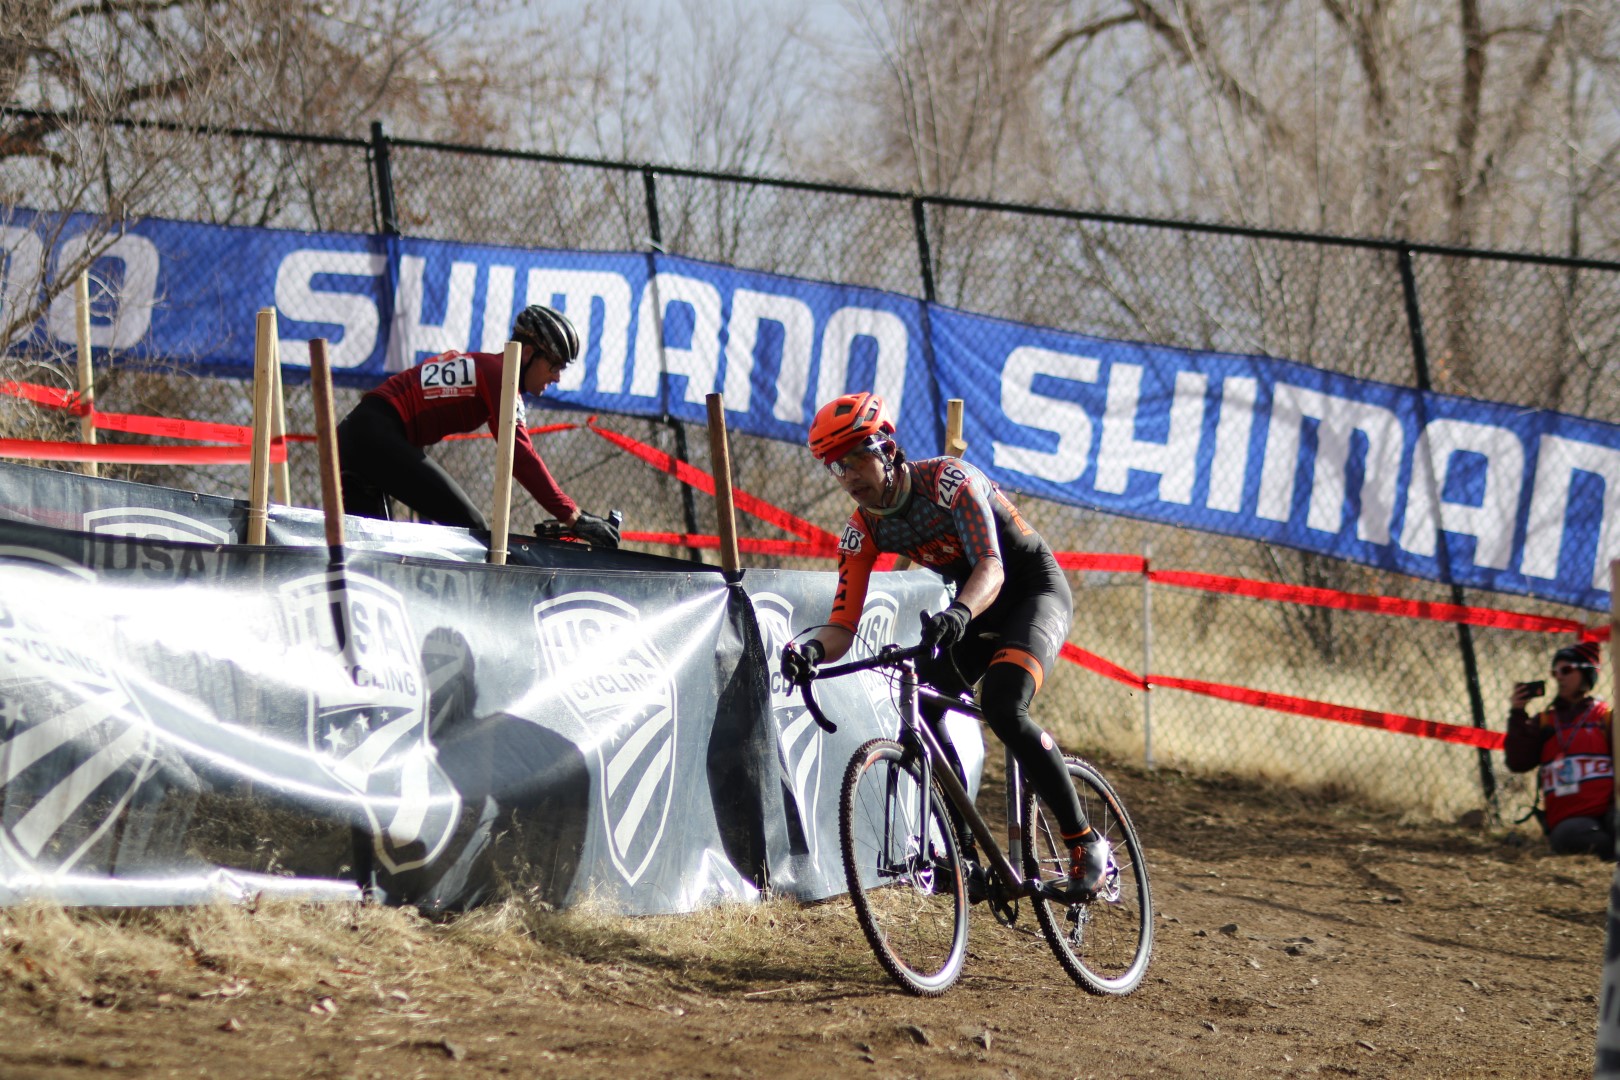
[620,689]
[799,737]
[369,731]
[75,745]
[149,523]
[877,626]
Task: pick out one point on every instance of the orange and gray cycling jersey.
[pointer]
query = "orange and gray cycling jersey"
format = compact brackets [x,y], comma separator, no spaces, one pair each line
[948,518]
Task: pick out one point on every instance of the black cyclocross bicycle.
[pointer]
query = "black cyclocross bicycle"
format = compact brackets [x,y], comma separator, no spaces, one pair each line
[907,878]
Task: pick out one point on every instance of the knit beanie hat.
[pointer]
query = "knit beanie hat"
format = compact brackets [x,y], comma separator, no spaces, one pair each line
[1585,654]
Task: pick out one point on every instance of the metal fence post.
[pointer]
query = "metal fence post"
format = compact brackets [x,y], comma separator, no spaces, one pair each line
[383,170]
[1465,633]
[1147,653]
[925,259]
[655,235]
[925,263]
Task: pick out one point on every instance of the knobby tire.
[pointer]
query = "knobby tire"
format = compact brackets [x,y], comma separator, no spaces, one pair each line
[910,901]
[1105,944]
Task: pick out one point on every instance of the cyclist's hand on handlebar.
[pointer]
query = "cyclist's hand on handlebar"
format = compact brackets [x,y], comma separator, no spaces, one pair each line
[946,628]
[596,531]
[799,661]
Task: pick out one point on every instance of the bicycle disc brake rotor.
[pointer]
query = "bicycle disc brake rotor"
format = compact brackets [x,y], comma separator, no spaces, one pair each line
[919,870]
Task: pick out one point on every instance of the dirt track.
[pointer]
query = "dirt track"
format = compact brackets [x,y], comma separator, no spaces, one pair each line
[1296,937]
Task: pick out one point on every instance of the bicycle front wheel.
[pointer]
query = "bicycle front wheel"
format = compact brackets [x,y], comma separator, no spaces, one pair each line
[1105,943]
[901,864]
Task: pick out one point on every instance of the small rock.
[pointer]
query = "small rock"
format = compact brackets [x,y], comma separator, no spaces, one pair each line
[1365,1045]
[918,1035]
[453,1051]
[983,1040]
[1210,1024]
[399,995]
[324,1007]
[1230,929]
[233,1024]
[1254,963]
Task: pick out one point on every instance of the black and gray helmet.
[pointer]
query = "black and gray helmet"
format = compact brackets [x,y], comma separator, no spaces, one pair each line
[550,332]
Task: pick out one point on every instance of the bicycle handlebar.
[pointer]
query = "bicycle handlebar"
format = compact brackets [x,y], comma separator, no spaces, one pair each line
[888,656]
[556,530]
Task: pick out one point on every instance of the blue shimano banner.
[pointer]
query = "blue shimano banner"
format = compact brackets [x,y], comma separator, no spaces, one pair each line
[657,333]
[1440,487]
[1486,495]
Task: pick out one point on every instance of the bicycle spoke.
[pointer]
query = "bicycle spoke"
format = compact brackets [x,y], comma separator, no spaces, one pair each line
[1104,944]
[904,881]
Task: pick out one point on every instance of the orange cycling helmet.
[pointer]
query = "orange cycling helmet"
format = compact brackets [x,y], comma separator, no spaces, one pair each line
[845,422]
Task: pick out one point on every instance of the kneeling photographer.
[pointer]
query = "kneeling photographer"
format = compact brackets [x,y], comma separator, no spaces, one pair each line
[1570,742]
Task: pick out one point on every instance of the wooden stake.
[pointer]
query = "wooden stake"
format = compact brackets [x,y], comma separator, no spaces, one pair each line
[320,385]
[955,445]
[263,387]
[87,385]
[501,520]
[278,429]
[724,503]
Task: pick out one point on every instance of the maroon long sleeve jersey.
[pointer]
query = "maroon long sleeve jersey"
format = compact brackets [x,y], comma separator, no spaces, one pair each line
[456,392]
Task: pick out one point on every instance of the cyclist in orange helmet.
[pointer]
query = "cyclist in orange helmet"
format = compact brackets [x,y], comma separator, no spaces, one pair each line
[1012,609]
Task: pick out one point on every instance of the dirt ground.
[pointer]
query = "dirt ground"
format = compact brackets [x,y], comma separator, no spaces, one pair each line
[1297,936]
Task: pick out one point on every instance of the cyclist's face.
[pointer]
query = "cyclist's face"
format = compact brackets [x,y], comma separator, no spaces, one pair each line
[541,372]
[861,474]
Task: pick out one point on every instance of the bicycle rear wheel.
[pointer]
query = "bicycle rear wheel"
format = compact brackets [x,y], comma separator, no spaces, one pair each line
[1106,943]
[909,893]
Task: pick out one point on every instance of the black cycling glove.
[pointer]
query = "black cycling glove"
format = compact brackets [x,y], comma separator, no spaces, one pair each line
[595,531]
[799,661]
[947,627]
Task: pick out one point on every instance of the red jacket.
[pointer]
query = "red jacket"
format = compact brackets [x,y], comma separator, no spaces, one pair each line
[458,392]
[1572,746]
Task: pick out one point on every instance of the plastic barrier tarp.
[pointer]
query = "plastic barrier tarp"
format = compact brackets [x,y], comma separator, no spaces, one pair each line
[179,719]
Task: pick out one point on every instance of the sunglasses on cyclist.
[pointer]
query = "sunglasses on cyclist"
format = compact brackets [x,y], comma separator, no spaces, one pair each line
[849,462]
[1561,670]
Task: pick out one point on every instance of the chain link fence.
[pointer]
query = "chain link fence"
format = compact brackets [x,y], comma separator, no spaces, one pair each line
[1541,332]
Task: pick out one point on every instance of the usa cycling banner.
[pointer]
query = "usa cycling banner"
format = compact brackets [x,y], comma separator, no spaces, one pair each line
[182,720]
[1491,496]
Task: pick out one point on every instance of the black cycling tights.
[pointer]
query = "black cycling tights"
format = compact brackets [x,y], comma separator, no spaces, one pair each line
[1004,696]
[378,460]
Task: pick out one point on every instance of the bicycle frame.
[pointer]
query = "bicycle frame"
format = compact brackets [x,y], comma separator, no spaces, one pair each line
[935,762]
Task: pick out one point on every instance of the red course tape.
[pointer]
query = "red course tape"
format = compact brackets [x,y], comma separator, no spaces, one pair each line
[125,454]
[1382,605]
[689,474]
[1344,714]
[1407,725]
[49,396]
